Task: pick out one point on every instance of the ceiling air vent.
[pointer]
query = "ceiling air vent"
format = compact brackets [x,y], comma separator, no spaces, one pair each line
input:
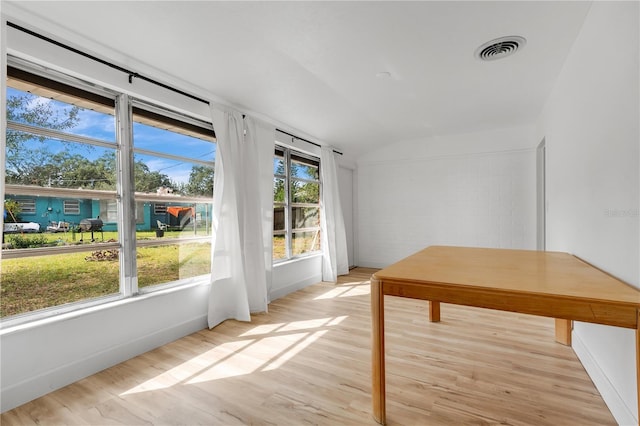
[500,48]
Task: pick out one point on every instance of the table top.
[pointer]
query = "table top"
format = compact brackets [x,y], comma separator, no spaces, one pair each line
[514,271]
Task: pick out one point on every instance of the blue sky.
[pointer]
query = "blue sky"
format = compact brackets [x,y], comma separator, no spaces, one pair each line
[101,126]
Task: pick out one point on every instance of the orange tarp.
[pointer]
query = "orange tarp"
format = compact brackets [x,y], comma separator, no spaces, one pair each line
[176,210]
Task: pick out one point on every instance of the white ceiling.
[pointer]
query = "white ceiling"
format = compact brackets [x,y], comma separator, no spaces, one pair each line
[313,65]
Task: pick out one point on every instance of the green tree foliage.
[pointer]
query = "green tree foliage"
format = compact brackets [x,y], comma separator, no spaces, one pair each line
[30,109]
[200,181]
[302,191]
[278,187]
[12,207]
[148,181]
[22,165]
[69,168]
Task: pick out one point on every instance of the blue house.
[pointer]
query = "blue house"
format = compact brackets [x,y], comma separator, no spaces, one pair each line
[51,210]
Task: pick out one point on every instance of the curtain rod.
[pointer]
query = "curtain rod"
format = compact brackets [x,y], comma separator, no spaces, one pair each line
[305,140]
[131,74]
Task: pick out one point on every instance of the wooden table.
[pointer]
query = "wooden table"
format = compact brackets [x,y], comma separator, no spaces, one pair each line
[550,284]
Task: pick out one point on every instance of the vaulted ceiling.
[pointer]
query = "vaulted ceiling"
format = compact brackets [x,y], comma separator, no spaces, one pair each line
[317,66]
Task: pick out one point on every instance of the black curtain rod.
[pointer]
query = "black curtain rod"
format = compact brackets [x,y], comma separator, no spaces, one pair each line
[307,141]
[131,74]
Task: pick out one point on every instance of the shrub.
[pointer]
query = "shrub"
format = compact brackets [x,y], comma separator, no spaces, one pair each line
[21,241]
[12,211]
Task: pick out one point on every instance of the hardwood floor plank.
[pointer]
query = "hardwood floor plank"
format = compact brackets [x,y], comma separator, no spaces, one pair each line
[308,361]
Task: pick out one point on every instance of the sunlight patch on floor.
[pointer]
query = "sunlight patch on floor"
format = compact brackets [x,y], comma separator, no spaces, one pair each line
[278,344]
[294,350]
[346,290]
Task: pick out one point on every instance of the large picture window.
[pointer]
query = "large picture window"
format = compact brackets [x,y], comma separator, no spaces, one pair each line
[296,204]
[66,198]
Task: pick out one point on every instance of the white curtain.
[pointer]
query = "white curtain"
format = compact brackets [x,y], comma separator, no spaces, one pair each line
[334,240]
[262,137]
[240,279]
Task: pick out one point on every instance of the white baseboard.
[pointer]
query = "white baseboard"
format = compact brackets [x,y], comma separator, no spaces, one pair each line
[620,411]
[283,291]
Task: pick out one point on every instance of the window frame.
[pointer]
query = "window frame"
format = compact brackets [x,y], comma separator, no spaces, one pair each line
[124,195]
[67,210]
[27,205]
[159,208]
[289,155]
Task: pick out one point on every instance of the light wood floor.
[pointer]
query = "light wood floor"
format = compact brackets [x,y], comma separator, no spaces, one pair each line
[308,362]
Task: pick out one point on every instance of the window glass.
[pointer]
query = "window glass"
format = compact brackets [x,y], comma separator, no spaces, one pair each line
[27,205]
[305,217]
[171,141]
[63,116]
[306,242]
[30,284]
[304,168]
[60,166]
[174,172]
[60,197]
[305,192]
[296,204]
[279,206]
[71,207]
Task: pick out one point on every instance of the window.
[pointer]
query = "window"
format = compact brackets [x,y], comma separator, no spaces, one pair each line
[174,168]
[66,163]
[71,206]
[108,211]
[296,204]
[59,142]
[27,206]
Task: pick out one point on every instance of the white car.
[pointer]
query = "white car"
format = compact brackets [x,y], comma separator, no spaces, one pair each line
[14,228]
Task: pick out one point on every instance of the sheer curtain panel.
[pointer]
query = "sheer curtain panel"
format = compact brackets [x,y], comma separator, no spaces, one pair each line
[239,274]
[334,240]
[261,136]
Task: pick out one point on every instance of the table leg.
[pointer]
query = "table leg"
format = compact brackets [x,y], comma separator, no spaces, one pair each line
[563,331]
[377,351]
[434,311]
[638,362]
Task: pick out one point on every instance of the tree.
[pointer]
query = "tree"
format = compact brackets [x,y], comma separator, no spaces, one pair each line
[148,181]
[278,188]
[69,168]
[304,192]
[12,211]
[30,109]
[200,181]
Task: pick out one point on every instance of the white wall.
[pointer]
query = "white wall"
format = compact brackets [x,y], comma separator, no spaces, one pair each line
[590,123]
[475,189]
[294,275]
[37,358]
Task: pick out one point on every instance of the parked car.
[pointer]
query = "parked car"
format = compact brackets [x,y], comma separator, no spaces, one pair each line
[20,227]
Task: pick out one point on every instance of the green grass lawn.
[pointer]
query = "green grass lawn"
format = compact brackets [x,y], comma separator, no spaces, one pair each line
[32,283]
[40,282]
